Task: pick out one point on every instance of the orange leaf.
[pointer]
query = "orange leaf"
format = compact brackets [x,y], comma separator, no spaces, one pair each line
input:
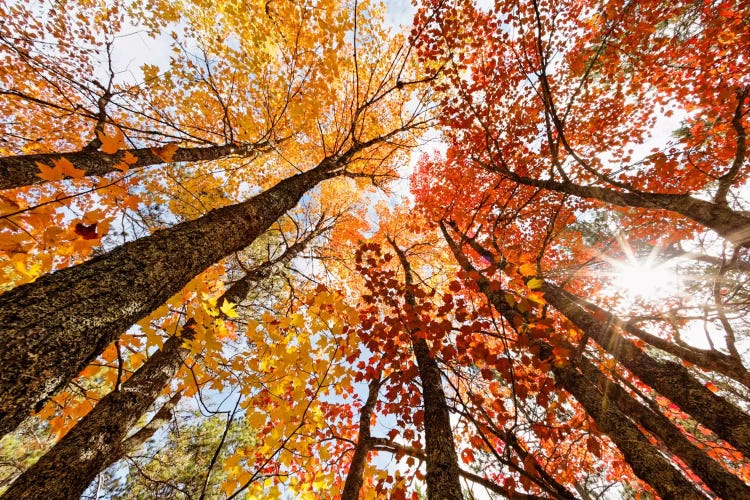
[111,144]
[68,169]
[130,158]
[48,173]
[166,153]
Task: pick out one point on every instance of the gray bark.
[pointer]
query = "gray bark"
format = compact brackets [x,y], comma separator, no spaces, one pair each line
[52,328]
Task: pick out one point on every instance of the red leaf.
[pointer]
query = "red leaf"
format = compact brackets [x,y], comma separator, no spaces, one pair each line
[86,232]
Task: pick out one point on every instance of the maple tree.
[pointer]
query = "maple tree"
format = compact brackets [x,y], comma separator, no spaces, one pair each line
[203,230]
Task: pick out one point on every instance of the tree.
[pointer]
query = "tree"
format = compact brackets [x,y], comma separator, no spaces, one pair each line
[489,333]
[76,330]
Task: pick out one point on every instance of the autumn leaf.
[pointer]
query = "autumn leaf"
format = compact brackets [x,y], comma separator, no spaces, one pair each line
[62,168]
[111,144]
[167,152]
[87,232]
[534,283]
[228,309]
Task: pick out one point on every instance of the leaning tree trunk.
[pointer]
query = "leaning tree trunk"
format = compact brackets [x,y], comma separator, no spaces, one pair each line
[669,379]
[98,440]
[440,450]
[717,478]
[731,224]
[18,171]
[52,328]
[355,476]
[65,471]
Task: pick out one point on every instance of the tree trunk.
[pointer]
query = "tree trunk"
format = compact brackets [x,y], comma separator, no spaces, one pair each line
[716,477]
[440,450]
[644,459]
[65,471]
[355,476]
[98,440]
[670,379]
[18,171]
[731,224]
[52,328]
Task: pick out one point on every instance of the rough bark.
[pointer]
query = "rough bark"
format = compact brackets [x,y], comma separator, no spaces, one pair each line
[716,477]
[355,476]
[709,360]
[645,460]
[440,450]
[670,379]
[71,465]
[132,444]
[102,443]
[18,171]
[52,328]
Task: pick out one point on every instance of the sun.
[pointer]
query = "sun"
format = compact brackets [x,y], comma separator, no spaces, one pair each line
[643,278]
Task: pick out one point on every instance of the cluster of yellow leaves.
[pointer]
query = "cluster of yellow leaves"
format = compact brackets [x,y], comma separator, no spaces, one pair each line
[291,382]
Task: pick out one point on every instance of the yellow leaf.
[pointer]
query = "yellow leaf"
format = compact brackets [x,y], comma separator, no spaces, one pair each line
[535,283]
[228,309]
[111,144]
[527,269]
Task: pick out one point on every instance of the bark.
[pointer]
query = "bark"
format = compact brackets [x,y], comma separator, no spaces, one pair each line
[134,442]
[670,379]
[18,171]
[52,328]
[355,476]
[98,440]
[72,464]
[440,450]
[709,360]
[731,224]
[644,459]
[716,477]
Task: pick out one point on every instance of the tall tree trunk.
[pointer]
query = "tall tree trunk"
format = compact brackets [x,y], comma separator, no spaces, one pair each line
[52,328]
[670,379]
[65,471]
[98,440]
[731,224]
[440,450]
[645,460]
[355,476]
[18,171]
[716,477]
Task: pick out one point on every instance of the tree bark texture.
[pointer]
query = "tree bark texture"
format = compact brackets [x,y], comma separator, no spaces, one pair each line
[720,480]
[355,476]
[644,459]
[95,441]
[670,379]
[440,450]
[731,224]
[52,328]
[18,171]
